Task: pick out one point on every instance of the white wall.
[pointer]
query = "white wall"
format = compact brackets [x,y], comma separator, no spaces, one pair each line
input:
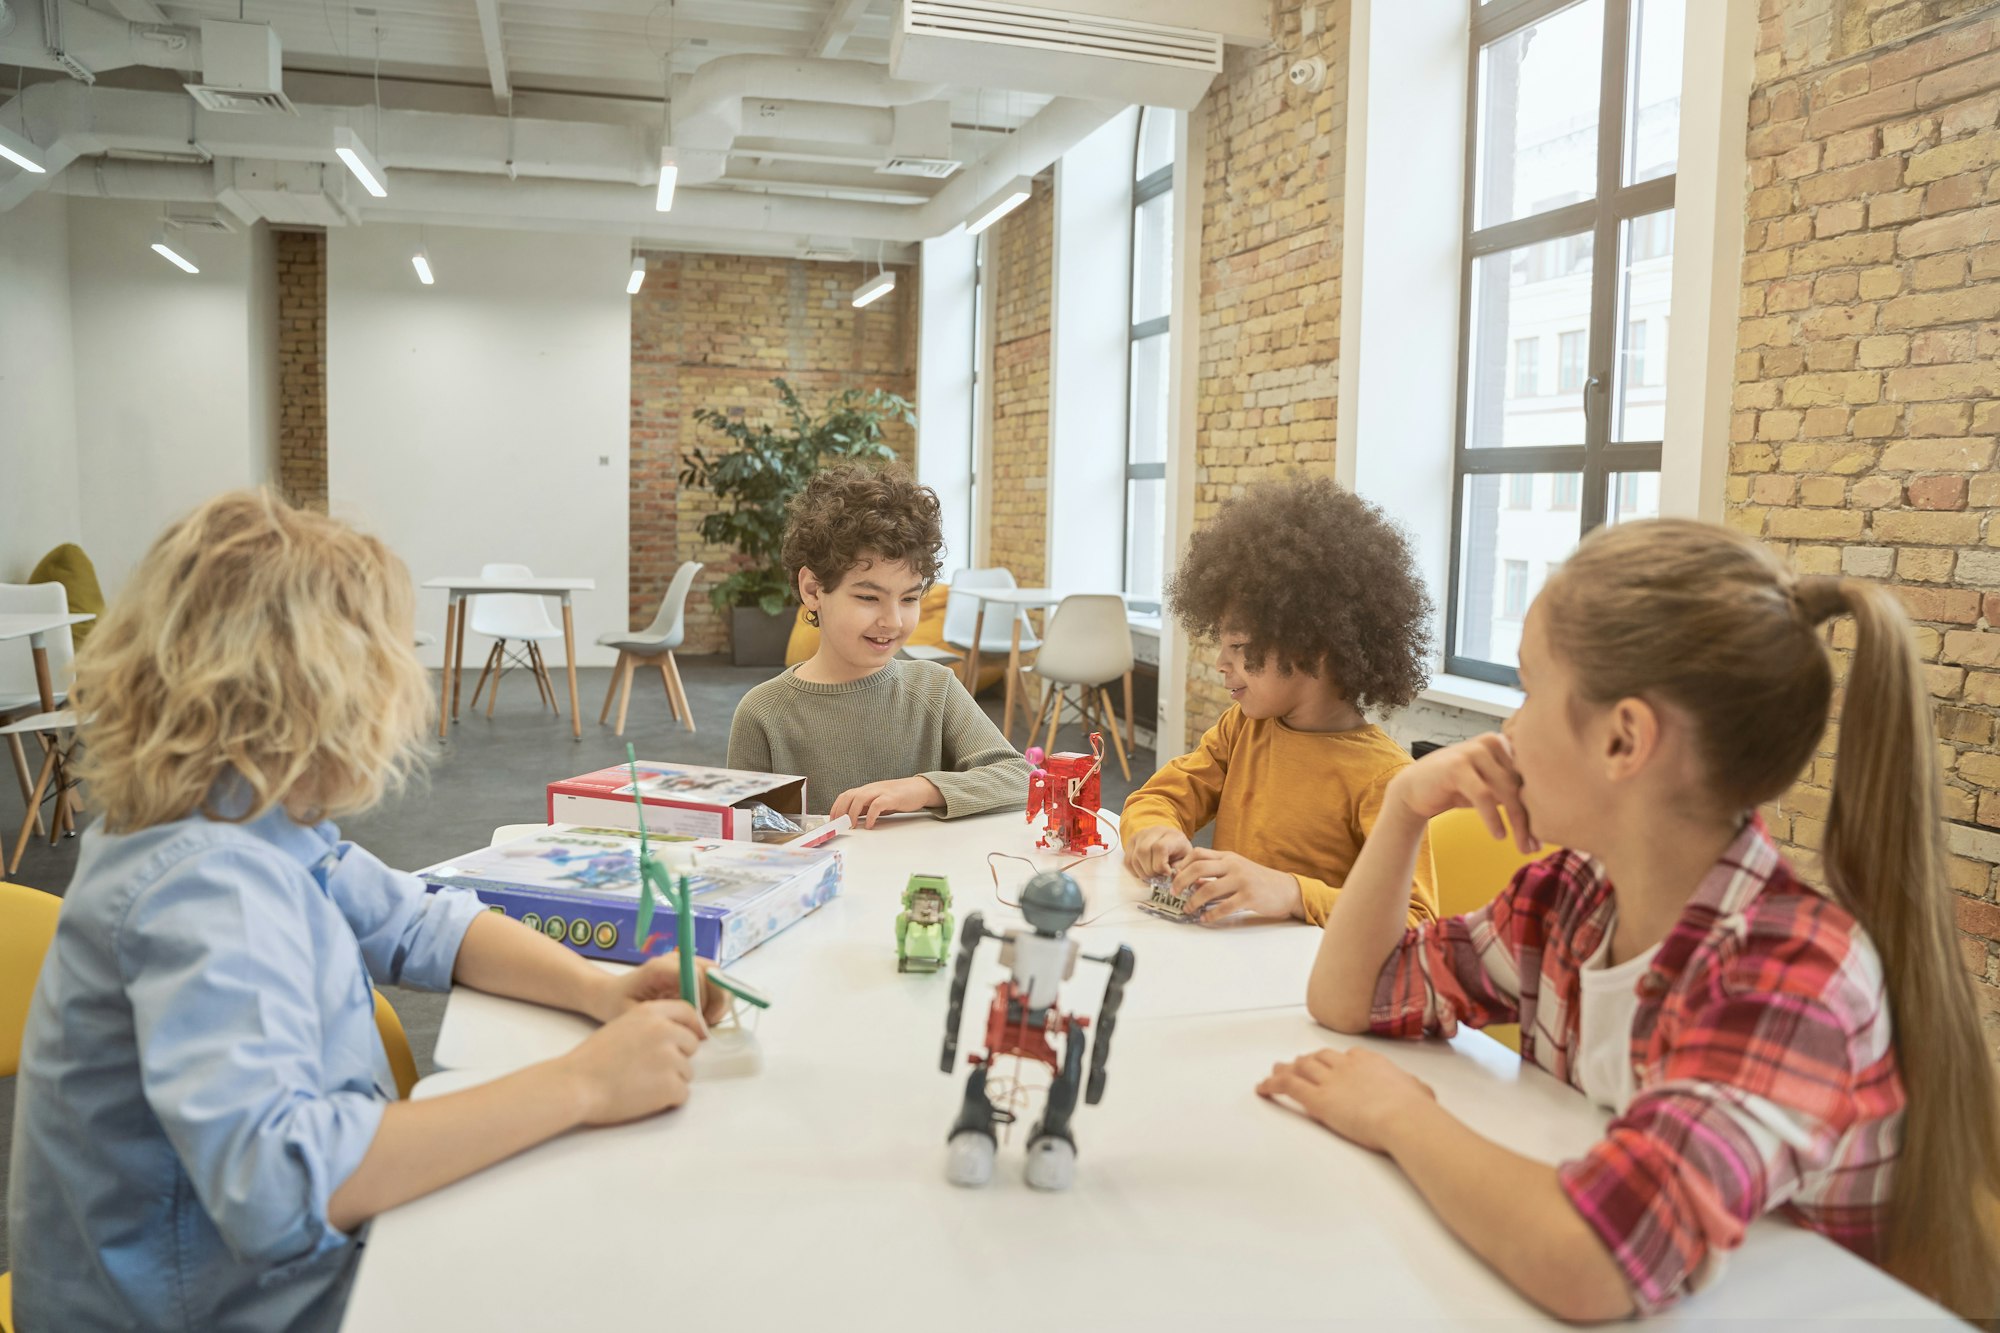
[486,418]
[171,400]
[38,475]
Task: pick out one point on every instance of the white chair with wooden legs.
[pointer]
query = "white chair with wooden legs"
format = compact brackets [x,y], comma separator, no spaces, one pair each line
[518,618]
[20,696]
[1087,645]
[961,621]
[58,748]
[655,645]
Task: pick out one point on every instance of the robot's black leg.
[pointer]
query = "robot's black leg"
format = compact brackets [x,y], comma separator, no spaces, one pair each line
[1051,1148]
[972,1144]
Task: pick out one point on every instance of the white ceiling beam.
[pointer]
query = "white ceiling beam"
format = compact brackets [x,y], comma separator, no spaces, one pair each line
[841,21]
[139,11]
[496,54]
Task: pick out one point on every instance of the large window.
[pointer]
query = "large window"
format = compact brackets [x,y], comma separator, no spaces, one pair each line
[1569,239]
[1146,421]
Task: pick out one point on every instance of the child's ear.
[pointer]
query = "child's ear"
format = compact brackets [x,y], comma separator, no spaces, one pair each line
[1631,739]
[810,588]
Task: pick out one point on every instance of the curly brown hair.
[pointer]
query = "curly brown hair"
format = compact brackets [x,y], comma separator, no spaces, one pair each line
[851,511]
[1319,580]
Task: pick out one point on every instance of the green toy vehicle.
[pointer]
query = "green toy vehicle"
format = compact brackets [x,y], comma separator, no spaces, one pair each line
[923,929]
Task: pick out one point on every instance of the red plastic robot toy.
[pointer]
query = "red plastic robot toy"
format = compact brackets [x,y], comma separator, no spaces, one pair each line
[1063,788]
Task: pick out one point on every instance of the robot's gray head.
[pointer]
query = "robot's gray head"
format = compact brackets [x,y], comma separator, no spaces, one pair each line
[1052,902]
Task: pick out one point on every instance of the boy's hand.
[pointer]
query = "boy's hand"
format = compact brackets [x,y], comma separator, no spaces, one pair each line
[638,1063]
[1156,851]
[1220,884]
[1477,773]
[865,805]
[657,978]
[1359,1095]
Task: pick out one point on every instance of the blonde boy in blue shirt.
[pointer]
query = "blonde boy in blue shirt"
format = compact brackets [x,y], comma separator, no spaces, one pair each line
[206,1120]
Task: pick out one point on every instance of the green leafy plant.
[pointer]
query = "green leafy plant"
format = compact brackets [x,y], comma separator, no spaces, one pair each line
[764,467]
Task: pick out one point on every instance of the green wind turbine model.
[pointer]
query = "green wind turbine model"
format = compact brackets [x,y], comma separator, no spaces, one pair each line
[652,874]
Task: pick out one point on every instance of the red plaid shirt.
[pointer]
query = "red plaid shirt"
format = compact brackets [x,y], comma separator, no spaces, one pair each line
[1765,1075]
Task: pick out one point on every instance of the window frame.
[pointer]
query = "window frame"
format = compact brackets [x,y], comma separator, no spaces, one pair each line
[1155,183]
[1613,204]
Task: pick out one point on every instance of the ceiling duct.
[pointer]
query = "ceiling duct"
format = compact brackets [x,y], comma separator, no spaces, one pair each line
[242,69]
[1062,52]
[709,115]
[931,168]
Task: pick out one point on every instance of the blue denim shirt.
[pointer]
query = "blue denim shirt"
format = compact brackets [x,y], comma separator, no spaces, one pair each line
[201,1071]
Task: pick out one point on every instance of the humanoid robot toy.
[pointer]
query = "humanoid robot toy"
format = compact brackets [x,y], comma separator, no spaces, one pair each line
[1063,788]
[923,928]
[1023,1019]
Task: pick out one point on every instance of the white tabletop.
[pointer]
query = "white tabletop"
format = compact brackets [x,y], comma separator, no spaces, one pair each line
[22,624]
[812,1194]
[470,583]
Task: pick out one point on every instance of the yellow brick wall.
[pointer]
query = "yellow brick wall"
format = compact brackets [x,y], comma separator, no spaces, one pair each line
[301,258]
[1868,370]
[713,331]
[1269,325]
[1022,256]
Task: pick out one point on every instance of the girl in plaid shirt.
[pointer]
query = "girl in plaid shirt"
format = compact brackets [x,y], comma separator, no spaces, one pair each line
[1761,1044]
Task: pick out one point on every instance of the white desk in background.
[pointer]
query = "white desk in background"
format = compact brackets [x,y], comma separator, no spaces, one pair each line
[35,626]
[456,589]
[813,1194]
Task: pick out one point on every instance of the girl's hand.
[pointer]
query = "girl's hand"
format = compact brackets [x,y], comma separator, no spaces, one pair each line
[1477,773]
[638,1063]
[1220,884]
[865,805]
[1156,851]
[658,978]
[1357,1094]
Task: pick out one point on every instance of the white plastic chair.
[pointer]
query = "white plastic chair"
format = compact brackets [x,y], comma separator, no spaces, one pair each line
[961,617]
[654,644]
[49,729]
[19,694]
[513,617]
[1089,645]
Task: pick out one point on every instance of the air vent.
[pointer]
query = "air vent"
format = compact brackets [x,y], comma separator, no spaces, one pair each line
[223,99]
[200,222]
[1056,51]
[932,168]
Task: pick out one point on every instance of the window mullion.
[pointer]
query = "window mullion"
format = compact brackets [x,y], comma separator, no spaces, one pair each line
[1604,274]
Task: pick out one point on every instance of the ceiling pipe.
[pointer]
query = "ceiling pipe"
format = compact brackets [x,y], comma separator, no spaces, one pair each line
[708,117]
[91,41]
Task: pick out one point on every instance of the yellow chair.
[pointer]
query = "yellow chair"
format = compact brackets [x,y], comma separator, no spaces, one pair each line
[27,925]
[397,1043]
[1471,867]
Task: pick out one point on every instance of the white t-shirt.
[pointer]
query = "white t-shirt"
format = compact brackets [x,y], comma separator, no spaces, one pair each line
[1604,1038]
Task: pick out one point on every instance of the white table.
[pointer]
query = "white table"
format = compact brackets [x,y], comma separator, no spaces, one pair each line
[812,1195]
[35,626]
[456,589]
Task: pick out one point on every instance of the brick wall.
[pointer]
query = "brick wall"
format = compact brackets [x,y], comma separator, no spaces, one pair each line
[1270,279]
[301,257]
[1868,370]
[712,331]
[1023,268]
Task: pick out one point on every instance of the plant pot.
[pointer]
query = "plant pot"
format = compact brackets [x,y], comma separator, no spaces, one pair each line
[757,638]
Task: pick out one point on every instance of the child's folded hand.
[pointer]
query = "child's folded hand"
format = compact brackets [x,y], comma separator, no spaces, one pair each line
[638,1063]
[1156,851]
[1478,773]
[1220,884]
[1357,1094]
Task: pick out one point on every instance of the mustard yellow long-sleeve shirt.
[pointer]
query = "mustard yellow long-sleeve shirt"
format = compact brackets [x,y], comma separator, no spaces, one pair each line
[1297,801]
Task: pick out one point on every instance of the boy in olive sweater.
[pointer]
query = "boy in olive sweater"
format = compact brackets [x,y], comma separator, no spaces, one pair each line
[884,735]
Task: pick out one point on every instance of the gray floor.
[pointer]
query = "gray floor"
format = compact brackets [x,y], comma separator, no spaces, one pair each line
[492,773]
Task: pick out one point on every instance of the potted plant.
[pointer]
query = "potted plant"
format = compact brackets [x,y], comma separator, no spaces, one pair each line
[756,477]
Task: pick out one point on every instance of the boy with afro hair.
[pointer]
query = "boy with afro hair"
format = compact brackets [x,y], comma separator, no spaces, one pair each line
[1311,597]
[885,735]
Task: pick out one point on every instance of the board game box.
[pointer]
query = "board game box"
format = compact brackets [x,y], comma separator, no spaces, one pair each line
[680,798]
[581,886]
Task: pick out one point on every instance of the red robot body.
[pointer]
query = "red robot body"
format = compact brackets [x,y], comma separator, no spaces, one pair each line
[1063,790]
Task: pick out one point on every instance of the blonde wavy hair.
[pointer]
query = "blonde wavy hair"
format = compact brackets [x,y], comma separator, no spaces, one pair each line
[259,640]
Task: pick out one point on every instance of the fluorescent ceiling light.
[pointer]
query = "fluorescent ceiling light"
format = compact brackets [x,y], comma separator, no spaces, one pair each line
[19,150]
[168,253]
[669,172]
[638,275]
[1011,196]
[421,262]
[875,288]
[347,146]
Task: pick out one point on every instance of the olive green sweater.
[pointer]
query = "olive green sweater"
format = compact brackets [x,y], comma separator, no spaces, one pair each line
[910,719]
